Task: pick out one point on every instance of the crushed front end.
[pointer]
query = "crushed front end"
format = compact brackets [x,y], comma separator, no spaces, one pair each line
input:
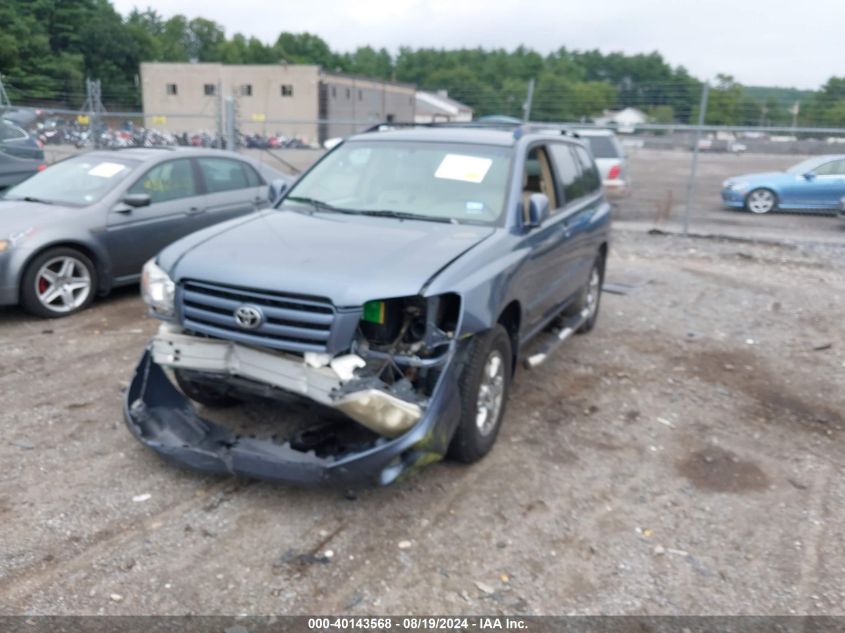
[380,382]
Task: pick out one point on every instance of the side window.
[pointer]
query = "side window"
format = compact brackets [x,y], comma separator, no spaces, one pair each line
[253,178]
[538,178]
[10,132]
[833,168]
[567,172]
[171,180]
[589,173]
[222,174]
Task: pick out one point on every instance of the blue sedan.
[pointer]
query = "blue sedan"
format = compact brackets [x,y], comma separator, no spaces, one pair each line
[814,184]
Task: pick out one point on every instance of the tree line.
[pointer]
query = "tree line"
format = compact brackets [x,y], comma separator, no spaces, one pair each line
[49,47]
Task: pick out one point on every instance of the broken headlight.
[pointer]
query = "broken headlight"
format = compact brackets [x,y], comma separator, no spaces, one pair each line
[158,290]
[409,323]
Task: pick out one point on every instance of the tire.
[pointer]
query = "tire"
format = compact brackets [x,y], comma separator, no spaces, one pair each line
[761,201]
[205,394]
[58,282]
[589,297]
[479,389]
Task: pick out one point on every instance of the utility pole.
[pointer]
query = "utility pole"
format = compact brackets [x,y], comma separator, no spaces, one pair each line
[702,111]
[93,108]
[794,110]
[231,144]
[526,107]
[218,102]
[4,97]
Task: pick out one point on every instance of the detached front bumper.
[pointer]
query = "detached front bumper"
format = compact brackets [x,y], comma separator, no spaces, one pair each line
[165,420]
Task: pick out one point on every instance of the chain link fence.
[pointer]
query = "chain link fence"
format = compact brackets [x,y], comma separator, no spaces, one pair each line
[675,172]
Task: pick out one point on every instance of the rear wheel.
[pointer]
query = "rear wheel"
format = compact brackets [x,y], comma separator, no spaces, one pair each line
[589,297]
[761,201]
[483,385]
[58,283]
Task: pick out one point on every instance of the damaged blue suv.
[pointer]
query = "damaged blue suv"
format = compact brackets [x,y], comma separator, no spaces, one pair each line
[384,305]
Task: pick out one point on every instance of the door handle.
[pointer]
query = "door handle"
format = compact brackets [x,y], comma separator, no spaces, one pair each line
[195,210]
[123,210]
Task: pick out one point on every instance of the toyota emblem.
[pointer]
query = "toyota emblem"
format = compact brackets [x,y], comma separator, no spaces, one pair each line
[249,317]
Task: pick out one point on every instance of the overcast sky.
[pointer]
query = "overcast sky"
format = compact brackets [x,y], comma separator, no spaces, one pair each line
[760,42]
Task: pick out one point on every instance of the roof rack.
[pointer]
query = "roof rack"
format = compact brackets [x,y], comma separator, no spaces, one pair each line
[519,129]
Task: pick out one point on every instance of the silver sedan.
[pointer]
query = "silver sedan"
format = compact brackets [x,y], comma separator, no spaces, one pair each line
[88,223]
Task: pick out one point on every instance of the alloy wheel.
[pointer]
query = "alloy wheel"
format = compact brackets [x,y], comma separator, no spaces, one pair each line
[761,201]
[63,284]
[491,392]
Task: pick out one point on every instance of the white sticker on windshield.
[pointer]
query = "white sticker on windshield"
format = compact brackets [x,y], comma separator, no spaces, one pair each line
[106,170]
[466,168]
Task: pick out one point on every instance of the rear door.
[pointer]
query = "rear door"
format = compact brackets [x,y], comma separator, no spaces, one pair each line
[582,200]
[233,188]
[134,234]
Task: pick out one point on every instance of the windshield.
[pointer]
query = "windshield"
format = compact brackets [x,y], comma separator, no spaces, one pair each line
[805,166]
[434,181]
[602,146]
[77,181]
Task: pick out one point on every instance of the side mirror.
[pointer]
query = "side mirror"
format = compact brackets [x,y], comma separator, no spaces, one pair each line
[137,199]
[275,190]
[538,210]
[809,176]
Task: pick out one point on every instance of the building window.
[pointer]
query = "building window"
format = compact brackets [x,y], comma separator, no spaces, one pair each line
[287,90]
[171,89]
[360,95]
[348,93]
[210,90]
[246,90]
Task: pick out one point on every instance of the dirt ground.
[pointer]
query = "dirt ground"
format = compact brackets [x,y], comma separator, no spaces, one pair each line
[686,457]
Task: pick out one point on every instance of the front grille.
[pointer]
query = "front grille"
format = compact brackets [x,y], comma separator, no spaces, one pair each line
[293,323]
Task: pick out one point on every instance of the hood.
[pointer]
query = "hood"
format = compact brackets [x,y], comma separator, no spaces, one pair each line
[348,259]
[19,216]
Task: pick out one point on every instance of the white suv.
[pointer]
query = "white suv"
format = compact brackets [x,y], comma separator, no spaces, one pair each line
[611,160]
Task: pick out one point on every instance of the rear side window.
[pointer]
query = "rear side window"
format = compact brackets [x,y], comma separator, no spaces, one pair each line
[171,180]
[10,132]
[223,174]
[252,177]
[833,168]
[568,172]
[589,174]
[603,146]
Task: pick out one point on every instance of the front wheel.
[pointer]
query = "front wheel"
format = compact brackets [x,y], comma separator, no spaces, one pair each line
[483,385]
[58,283]
[761,201]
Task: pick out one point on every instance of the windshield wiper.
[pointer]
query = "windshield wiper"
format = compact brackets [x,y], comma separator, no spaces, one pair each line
[317,204]
[30,199]
[402,215]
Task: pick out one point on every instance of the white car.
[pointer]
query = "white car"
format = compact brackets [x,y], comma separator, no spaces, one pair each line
[611,160]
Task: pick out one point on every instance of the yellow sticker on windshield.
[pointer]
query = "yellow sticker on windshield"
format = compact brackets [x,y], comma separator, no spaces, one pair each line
[466,168]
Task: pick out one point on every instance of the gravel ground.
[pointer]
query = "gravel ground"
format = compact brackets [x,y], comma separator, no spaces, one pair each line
[686,457]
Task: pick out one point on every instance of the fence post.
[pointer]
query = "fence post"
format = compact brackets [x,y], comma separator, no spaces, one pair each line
[231,142]
[702,111]
[529,98]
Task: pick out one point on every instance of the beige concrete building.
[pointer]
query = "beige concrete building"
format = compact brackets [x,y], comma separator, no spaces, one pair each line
[290,99]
